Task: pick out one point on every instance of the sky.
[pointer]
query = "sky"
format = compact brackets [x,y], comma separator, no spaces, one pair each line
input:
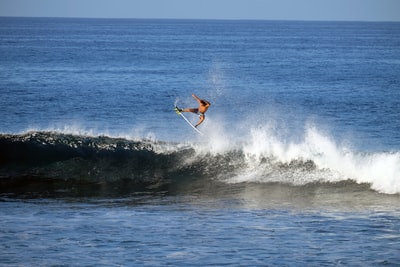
[348,10]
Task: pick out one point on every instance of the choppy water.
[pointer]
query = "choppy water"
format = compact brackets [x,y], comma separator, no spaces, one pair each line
[298,165]
[185,231]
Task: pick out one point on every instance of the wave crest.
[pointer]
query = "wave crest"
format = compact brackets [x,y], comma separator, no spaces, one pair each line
[143,163]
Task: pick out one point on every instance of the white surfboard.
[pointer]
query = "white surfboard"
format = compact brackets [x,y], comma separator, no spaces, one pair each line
[183,116]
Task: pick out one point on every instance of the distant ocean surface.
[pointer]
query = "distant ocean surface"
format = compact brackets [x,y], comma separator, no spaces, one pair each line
[298,164]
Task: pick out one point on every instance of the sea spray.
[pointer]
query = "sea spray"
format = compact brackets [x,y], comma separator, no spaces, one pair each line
[266,153]
[317,158]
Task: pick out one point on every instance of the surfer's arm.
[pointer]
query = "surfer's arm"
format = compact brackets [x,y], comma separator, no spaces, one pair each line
[196,97]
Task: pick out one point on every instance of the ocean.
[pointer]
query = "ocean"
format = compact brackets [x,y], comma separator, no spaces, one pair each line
[298,163]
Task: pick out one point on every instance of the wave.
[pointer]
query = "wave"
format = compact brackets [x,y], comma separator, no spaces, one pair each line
[77,162]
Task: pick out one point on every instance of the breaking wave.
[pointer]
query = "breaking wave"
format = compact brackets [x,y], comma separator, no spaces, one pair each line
[75,162]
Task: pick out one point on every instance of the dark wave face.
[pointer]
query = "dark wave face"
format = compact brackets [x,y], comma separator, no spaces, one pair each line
[44,160]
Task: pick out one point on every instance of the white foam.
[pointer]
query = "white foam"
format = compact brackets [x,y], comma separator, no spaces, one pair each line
[334,162]
[380,169]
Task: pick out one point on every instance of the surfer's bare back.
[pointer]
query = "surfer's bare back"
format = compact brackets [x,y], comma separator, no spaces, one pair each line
[203,107]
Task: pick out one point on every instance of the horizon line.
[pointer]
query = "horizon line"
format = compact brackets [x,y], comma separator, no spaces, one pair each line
[209,19]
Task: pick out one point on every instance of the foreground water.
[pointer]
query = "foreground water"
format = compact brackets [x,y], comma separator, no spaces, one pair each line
[298,164]
[196,231]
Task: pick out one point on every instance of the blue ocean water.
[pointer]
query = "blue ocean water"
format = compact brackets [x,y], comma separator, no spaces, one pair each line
[299,163]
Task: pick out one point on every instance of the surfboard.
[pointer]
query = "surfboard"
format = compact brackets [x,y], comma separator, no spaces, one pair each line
[188,122]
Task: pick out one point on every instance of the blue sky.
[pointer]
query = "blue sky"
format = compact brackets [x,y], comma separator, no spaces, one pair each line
[364,10]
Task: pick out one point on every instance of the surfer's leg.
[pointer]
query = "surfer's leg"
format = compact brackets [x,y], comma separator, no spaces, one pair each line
[193,110]
[202,117]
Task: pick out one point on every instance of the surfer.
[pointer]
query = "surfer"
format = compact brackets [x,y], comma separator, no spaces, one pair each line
[203,107]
